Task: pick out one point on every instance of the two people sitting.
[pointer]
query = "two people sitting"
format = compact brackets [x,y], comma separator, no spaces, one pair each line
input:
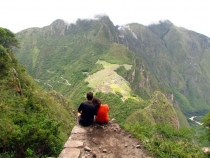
[92,107]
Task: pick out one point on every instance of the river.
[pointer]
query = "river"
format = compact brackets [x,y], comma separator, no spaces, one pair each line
[192,118]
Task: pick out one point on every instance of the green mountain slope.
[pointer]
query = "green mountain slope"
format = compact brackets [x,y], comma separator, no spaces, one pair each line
[124,67]
[33,122]
[61,57]
[175,57]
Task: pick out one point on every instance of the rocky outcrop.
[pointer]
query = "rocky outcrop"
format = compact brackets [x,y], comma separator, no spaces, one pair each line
[17,82]
[206,149]
[58,27]
[108,141]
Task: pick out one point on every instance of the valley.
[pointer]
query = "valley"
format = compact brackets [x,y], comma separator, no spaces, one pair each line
[142,72]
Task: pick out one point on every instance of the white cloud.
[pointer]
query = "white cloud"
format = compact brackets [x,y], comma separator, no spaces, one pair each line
[17,15]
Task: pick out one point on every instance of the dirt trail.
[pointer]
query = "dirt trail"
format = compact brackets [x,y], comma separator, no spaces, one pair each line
[110,141]
[102,141]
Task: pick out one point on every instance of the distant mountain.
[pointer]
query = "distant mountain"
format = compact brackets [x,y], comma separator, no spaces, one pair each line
[152,78]
[163,57]
[59,53]
[155,75]
[177,57]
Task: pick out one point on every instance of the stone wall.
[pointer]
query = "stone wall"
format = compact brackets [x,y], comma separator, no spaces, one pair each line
[74,146]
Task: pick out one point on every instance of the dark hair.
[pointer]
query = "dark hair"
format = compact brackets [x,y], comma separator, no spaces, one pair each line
[96,102]
[89,95]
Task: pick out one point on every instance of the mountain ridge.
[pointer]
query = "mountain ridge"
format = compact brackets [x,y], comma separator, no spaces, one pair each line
[168,51]
[100,41]
[115,35]
[62,59]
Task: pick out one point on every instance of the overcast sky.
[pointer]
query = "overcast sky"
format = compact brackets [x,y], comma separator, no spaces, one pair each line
[17,15]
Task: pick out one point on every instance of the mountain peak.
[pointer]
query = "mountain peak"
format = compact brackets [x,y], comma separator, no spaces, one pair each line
[162,22]
[161,28]
[102,16]
[166,22]
[58,26]
[59,23]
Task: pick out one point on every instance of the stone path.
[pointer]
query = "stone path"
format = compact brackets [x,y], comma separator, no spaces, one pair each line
[102,141]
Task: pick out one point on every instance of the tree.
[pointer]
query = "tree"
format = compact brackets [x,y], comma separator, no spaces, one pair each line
[206,124]
[7,39]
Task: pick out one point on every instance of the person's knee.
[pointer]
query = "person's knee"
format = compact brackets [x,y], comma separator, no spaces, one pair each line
[78,114]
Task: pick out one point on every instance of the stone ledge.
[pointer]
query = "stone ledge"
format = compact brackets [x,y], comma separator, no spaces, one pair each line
[73,144]
[78,130]
[73,147]
[98,140]
[70,153]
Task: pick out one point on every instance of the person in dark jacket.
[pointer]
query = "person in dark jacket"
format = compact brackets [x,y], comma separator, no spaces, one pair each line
[86,111]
